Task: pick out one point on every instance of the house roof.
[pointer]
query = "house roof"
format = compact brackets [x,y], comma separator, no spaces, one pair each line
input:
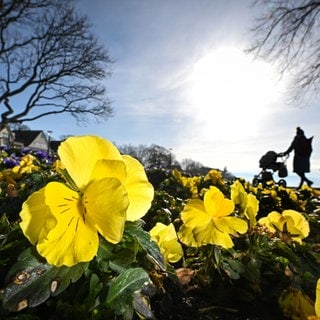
[26,136]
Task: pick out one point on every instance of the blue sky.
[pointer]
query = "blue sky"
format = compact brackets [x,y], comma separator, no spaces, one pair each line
[181,80]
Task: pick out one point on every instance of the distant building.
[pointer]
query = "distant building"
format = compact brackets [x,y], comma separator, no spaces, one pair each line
[6,136]
[33,139]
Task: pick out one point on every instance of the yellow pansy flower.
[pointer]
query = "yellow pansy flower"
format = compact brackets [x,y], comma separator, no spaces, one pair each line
[239,195]
[215,176]
[208,222]
[289,222]
[177,174]
[251,209]
[248,203]
[316,304]
[166,238]
[103,189]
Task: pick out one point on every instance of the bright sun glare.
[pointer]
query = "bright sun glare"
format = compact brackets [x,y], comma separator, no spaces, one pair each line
[231,93]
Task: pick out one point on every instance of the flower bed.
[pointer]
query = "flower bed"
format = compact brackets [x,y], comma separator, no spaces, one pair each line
[87,236]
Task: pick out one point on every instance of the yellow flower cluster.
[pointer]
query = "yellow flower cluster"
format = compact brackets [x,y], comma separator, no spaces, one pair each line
[191,183]
[195,183]
[26,165]
[215,177]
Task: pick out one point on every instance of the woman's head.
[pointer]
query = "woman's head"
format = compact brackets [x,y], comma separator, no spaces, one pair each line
[299,131]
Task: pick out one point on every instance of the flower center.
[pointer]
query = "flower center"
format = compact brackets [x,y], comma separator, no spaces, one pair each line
[75,207]
[82,207]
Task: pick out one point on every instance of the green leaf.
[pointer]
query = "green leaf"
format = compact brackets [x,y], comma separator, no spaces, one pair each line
[121,291]
[4,225]
[33,281]
[11,243]
[117,257]
[141,305]
[233,268]
[95,288]
[145,241]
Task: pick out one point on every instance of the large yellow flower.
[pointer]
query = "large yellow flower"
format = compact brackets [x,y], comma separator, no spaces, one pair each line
[166,238]
[289,222]
[208,222]
[103,189]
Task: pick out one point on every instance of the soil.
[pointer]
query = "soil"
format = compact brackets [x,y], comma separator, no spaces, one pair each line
[213,303]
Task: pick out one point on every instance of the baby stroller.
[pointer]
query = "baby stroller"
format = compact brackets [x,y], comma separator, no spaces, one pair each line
[269,165]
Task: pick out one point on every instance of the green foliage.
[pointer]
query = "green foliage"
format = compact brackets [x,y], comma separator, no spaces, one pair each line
[165,209]
[121,290]
[32,281]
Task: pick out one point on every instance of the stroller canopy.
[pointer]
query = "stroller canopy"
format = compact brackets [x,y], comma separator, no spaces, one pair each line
[269,160]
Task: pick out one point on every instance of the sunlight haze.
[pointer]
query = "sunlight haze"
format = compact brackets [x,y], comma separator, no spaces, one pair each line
[181,79]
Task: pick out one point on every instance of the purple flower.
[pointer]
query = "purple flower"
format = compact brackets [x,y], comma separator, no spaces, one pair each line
[10,162]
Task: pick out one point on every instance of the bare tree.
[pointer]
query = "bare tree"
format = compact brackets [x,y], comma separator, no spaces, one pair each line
[153,156]
[50,63]
[191,166]
[19,126]
[287,33]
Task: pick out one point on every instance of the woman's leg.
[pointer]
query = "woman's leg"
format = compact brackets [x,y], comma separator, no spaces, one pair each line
[309,182]
[302,179]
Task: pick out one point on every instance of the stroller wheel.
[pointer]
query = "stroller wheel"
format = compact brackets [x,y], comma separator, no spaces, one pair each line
[282,183]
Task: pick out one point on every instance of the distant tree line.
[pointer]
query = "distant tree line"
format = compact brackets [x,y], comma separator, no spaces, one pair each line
[158,157]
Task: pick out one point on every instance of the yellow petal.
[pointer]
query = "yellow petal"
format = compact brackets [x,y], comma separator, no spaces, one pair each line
[162,233]
[79,155]
[140,191]
[317,302]
[297,224]
[194,214]
[106,203]
[73,239]
[216,204]
[273,221]
[36,217]
[172,250]
[186,236]
[211,235]
[71,244]
[231,225]
[109,169]
[238,194]
[251,209]
[166,237]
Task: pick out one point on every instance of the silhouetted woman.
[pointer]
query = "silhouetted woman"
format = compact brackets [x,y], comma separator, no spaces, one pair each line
[301,160]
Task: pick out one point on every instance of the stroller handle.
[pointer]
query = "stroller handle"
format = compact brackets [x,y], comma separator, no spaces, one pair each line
[283,155]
